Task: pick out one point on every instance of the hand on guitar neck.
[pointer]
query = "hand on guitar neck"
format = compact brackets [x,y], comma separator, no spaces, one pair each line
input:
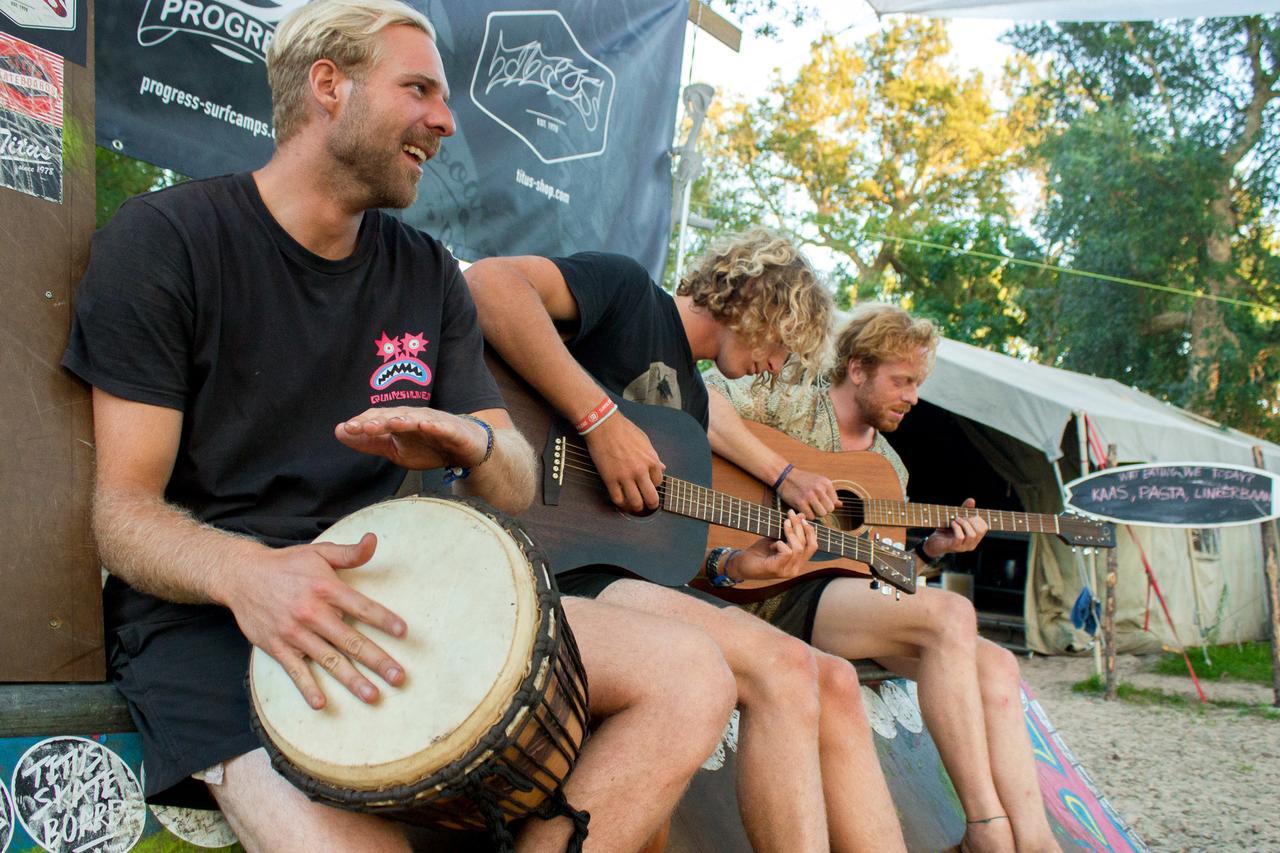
[776,559]
[961,535]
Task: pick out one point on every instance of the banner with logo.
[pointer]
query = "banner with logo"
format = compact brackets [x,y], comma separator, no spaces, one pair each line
[565,112]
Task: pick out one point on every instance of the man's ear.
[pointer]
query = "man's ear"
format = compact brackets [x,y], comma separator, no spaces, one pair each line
[329,86]
[856,373]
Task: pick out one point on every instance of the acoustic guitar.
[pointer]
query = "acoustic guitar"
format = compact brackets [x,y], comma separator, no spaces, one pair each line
[575,524]
[873,502]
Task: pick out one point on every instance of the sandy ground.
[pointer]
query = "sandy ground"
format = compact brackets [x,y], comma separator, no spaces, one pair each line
[1184,779]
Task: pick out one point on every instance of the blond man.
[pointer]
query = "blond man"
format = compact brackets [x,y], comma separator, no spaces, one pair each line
[230,328]
[582,327]
[968,686]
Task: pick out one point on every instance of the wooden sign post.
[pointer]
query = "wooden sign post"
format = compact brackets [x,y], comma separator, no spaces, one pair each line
[1109,608]
[1272,564]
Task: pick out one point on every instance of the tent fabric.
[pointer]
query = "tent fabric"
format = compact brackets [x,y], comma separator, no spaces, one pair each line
[1075,10]
[980,385]
[1019,416]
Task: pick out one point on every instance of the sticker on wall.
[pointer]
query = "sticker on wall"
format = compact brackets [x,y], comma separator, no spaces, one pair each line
[202,827]
[30,119]
[6,818]
[72,794]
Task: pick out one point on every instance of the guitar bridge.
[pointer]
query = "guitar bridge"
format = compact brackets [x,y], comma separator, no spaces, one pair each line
[553,464]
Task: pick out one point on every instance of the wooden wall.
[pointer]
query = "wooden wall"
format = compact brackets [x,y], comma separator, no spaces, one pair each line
[50,587]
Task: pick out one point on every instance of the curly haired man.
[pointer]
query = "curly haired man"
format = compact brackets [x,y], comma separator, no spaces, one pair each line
[578,327]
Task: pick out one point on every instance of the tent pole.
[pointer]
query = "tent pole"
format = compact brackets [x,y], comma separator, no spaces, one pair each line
[1272,563]
[1092,561]
[1109,608]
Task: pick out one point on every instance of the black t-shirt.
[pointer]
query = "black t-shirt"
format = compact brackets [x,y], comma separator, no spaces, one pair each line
[629,335]
[196,299]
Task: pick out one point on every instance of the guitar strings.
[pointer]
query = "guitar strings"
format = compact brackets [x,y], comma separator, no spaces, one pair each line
[577,460]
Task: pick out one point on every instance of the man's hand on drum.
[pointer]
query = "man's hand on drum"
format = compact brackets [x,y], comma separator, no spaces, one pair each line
[627,462]
[776,558]
[291,603]
[812,494]
[415,437]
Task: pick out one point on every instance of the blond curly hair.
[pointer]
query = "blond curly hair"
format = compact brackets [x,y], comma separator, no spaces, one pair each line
[876,333]
[342,31]
[759,284]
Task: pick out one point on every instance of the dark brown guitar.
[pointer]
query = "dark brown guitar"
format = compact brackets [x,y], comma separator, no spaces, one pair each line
[873,500]
[575,524]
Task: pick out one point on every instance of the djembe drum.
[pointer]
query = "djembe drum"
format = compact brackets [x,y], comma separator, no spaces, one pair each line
[493,711]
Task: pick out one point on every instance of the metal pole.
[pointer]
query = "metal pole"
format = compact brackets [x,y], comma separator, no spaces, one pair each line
[1109,608]
[1272,564]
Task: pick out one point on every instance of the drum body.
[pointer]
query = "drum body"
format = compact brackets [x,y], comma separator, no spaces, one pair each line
[493,711]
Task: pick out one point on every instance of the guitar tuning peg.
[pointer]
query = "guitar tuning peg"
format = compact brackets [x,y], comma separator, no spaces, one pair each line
[875,584]
[897,595]
[884,590]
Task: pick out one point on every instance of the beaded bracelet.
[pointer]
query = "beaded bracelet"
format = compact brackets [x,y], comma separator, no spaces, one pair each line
[719,556]
[457,472]
[928,561]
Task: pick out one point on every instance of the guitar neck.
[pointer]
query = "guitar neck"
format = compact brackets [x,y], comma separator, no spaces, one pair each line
[902,514]
[694,501]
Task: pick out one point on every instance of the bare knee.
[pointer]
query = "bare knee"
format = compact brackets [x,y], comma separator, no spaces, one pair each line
[777,671]
[695,689]
[998,673]
[956,624]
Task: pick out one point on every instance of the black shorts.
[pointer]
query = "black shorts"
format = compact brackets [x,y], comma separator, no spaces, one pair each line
[593,580]
[793,611]
[182,669]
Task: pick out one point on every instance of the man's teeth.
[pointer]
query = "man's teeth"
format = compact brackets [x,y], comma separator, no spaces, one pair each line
[417,153]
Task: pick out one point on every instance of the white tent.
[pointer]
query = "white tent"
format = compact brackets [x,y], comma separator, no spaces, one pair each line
[1075,10]
[1023,420]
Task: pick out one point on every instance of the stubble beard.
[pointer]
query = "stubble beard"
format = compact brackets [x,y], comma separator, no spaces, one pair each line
[372,169]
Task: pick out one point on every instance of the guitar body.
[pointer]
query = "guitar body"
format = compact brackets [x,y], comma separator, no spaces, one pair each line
[573,521]
[861,473]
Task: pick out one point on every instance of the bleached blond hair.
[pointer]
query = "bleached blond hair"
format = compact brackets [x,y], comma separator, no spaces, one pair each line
[761,286]
[342,31]
[876,333]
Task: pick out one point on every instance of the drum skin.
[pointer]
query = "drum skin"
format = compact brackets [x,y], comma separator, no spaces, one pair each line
[493,711]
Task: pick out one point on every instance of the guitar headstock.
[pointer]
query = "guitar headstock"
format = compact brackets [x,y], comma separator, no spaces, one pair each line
[893,565]
[1079,531]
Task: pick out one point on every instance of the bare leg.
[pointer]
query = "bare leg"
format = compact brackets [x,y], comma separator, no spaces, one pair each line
[937,631]
[268,813]
[664,694]
[1012,763]
[779,774]
[860,811]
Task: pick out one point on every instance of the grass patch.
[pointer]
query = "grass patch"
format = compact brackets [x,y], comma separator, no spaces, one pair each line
[1094,685]
[1246,662]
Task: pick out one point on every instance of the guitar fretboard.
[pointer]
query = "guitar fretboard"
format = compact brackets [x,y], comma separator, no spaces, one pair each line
[901,514]
[695,501]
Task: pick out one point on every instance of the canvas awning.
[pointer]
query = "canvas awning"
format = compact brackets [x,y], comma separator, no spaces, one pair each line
[1076,10]
[1035,403]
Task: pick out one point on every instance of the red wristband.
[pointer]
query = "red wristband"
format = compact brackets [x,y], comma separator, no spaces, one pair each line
[595,416]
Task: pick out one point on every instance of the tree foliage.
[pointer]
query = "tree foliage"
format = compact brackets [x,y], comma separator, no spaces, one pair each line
[1160,166]
[882,139]
[117,178]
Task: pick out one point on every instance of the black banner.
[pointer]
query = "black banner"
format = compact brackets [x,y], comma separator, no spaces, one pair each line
[58,26]
[565,114]
[1177,495]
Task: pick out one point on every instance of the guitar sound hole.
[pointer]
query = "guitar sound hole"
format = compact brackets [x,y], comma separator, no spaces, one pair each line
[849,516]
[642,515]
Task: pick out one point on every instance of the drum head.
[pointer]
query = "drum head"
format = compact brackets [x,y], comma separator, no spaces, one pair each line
[469,598]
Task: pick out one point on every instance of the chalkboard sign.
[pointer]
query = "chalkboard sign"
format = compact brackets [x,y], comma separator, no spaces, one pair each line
[1177,494]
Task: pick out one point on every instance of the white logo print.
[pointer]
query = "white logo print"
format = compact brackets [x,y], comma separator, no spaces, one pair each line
[536,80]
[240,29]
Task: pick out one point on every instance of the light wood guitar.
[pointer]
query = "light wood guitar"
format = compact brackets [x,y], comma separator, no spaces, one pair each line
[873,501]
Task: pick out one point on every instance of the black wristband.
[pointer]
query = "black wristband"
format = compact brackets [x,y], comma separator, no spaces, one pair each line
[928,561]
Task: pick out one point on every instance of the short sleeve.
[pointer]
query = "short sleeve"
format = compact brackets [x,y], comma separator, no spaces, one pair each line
[134,320]
[463,382]
[741,393]
[604,285]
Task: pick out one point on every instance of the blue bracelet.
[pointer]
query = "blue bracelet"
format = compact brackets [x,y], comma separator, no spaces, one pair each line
[722,554]
[777,484]
[455,473]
